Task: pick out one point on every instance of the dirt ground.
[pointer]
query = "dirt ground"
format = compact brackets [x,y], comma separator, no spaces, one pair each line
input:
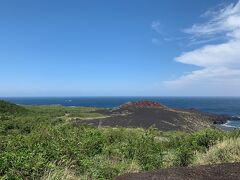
[229,171]
[162,118]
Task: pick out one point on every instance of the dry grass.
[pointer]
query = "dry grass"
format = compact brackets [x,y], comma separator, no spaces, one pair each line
[227,151]
[60,173]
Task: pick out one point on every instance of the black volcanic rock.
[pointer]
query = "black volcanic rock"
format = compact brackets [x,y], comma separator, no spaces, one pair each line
[228,171]
[144,114]
[219,119]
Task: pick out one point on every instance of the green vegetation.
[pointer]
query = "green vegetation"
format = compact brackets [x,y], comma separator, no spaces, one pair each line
[10,108]
[225,151]
[41,142]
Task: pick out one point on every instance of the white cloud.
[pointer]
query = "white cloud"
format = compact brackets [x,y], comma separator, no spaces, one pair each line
[156,26]
[221,55]
[219,63]
[223,20]
[164,36]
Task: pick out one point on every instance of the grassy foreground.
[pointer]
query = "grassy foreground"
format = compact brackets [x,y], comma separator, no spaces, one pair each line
[41,142]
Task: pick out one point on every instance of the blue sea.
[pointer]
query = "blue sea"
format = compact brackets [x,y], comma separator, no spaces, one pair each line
[215,105]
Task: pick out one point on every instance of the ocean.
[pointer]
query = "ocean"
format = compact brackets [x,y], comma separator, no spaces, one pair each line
[216,105]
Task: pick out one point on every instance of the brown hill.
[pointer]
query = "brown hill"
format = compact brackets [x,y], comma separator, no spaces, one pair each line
[142,104]
[144,114]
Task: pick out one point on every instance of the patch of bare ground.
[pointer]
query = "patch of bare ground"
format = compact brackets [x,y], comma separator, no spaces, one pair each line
[228,171]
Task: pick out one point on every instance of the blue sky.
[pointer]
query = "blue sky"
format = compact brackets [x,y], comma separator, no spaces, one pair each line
[119,48]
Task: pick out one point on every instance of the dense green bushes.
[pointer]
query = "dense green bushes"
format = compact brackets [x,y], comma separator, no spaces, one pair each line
[91,150]
[183,156]
[43,143]
[203,140]
[97,153]
[10,108]
[185,145]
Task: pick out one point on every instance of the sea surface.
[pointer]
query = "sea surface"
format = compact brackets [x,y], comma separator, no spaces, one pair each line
[216,105]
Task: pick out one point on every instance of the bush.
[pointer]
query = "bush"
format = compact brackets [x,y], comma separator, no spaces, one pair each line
[183,156]
[203,140]
[93,151]
[149,152]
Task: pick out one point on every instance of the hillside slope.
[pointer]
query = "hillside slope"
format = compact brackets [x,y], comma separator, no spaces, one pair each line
[10,108]
[146,114]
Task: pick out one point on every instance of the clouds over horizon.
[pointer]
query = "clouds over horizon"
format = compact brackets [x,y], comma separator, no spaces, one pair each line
[219,63]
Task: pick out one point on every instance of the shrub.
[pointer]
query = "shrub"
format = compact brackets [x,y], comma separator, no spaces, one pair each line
[226,151]
[149,152]
[183,156]
[203,140]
